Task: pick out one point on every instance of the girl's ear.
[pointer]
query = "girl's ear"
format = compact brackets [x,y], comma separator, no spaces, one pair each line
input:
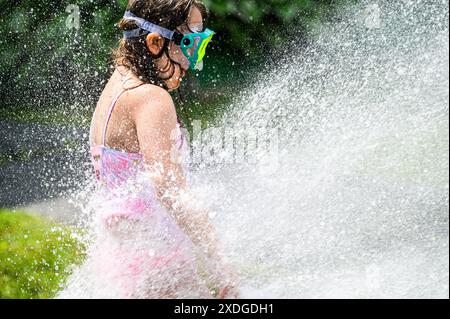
[155,43]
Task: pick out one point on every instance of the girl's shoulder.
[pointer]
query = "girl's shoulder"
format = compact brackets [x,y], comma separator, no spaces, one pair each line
[139,94]
[152,101]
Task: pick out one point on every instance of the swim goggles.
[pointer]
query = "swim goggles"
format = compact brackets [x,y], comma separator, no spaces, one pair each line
[193,45]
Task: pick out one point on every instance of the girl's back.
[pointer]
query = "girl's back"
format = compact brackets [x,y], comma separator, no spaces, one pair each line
[114,112]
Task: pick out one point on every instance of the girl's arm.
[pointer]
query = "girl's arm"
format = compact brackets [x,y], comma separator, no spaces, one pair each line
[156,125]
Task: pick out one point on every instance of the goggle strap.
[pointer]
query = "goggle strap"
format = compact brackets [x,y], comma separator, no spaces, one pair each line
[134,33]
[147,26]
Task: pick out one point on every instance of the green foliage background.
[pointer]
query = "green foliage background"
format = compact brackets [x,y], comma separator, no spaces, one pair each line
[45,63]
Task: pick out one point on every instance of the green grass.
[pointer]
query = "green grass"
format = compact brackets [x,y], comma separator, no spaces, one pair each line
[36,255]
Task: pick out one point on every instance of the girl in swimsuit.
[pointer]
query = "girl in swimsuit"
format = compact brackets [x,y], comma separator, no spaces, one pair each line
[151,242]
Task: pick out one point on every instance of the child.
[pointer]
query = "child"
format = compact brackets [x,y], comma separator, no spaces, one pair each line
[152,244]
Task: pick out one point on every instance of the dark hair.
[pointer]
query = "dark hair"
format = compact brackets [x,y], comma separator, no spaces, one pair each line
[134,53]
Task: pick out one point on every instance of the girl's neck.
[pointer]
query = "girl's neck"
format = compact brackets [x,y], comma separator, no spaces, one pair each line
[128,78]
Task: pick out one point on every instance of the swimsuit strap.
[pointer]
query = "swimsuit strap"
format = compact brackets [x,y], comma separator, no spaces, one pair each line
[108,117]
[111,108]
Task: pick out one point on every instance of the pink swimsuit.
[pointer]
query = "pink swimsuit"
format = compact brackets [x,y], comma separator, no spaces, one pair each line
[140,251]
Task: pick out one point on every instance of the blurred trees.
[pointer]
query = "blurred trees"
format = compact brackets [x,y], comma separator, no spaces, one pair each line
[249,25]
[47,59]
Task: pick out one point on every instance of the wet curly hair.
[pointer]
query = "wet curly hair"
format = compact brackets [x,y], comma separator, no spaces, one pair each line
[133,53]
